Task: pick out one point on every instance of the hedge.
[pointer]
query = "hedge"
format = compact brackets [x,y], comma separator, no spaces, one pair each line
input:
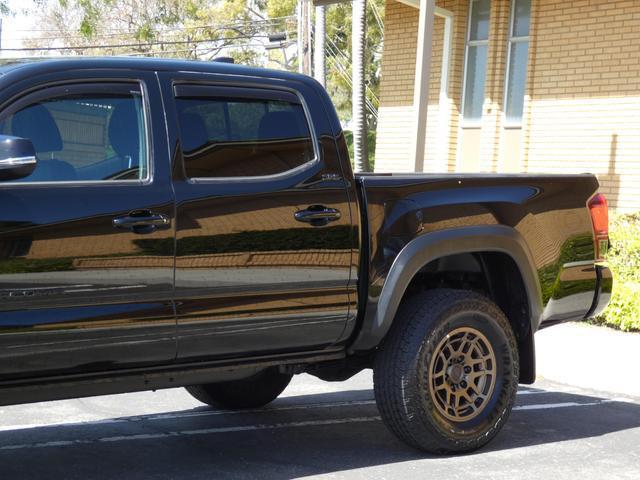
[623,311]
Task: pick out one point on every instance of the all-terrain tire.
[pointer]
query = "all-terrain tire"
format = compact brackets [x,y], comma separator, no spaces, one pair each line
[418,405]
[252,392]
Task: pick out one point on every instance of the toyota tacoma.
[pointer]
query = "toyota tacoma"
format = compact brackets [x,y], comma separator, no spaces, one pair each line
[168,223]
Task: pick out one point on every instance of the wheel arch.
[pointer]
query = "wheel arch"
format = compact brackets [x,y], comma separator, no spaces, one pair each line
[427,248]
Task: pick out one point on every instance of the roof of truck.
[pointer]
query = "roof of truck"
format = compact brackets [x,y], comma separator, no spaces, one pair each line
[41,64]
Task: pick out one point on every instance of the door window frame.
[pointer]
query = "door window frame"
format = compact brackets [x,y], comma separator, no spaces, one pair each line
[49,91]
[253,92]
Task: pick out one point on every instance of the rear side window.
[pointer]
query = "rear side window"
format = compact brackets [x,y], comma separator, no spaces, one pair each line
[249,135]
[83,133]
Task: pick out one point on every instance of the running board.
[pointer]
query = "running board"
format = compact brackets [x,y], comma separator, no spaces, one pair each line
[155,378]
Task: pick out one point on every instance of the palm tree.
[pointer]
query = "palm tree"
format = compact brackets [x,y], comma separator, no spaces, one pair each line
[359,117]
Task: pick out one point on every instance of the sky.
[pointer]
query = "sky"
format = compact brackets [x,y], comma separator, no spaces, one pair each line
[15,28]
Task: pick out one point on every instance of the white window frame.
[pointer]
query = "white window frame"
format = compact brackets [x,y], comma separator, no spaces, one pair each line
[510,42]
[472,43]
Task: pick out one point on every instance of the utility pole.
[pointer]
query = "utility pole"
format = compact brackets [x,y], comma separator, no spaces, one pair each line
[319,56]
[304,36]
[308,46]
[300,36]
[359,113]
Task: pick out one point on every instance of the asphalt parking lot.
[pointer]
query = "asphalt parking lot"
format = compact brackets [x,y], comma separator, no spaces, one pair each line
[315,429]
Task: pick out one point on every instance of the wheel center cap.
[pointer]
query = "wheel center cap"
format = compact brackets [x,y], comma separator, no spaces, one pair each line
[456,372]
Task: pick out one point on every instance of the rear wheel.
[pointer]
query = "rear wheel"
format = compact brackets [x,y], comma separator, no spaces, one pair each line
[252,392]
[447,374]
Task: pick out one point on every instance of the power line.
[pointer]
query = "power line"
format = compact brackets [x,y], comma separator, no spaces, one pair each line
[133,45]
[124,30]
[344,73]
[337,52]
[376,15]
[183,50]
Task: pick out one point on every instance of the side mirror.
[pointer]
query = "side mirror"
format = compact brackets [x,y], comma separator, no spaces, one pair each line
[17,158]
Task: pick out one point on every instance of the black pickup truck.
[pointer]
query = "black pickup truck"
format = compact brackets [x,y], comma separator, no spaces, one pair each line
[167,223]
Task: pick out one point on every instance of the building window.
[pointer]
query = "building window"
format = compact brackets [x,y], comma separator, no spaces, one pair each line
[517,61]
[476,61]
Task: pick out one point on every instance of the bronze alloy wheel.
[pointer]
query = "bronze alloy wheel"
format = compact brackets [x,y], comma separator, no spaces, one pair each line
[446,376]
[462,374]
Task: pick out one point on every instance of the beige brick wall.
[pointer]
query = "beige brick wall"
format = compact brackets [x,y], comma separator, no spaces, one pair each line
[494,85]
[584,112]
[395,125]
[582,104]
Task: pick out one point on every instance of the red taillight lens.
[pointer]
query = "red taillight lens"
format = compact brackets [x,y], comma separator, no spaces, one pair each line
[599,210]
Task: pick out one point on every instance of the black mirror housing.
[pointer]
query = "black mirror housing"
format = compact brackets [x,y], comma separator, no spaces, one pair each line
[17,158]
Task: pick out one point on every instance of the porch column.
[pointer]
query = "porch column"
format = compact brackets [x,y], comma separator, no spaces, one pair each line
[421,87]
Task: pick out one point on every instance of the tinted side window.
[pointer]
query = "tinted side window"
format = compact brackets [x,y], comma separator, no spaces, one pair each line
[242,137]
[81,135]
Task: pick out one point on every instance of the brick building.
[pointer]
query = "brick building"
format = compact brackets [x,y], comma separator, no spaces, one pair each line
[547,86]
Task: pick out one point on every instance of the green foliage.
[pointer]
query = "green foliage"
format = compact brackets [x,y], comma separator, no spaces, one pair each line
[624,253]
[339,32]
[23,265]
[623,311]
[280,8]
[169,28]
[339,48]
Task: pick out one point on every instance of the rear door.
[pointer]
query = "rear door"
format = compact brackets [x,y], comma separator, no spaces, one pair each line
[264,232]
[86,241]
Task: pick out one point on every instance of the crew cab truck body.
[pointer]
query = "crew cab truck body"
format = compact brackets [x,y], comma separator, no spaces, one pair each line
[167,223]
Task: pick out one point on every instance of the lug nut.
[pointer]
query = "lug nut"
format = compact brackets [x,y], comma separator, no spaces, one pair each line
[463,384]
[467,369]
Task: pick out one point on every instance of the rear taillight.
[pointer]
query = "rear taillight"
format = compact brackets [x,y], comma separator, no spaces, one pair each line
[599,210]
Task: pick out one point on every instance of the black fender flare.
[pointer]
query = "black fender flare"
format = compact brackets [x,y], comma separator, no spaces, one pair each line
[422,250]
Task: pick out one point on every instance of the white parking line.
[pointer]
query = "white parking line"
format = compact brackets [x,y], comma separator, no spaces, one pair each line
[170,416]
[241,428]
[208,413]
[546,406]
[204,431]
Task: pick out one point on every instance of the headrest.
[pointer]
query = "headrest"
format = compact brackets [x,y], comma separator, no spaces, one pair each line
[281,125]
[193,131]
[123,130]
[36,123]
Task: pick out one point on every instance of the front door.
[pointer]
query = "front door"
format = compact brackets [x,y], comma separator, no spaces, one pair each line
[86,258]
[264,235]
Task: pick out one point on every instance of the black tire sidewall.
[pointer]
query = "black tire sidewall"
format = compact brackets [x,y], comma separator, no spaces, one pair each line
[497,331]
[251,392]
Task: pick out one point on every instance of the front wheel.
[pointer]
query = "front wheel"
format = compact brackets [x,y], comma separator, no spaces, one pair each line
[446,377]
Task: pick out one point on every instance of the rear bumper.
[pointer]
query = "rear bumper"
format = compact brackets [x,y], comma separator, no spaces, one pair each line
[604,286]
[582,290]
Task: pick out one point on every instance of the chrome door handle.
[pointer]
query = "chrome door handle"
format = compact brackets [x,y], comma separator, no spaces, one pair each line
[317,215]
[142,221]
